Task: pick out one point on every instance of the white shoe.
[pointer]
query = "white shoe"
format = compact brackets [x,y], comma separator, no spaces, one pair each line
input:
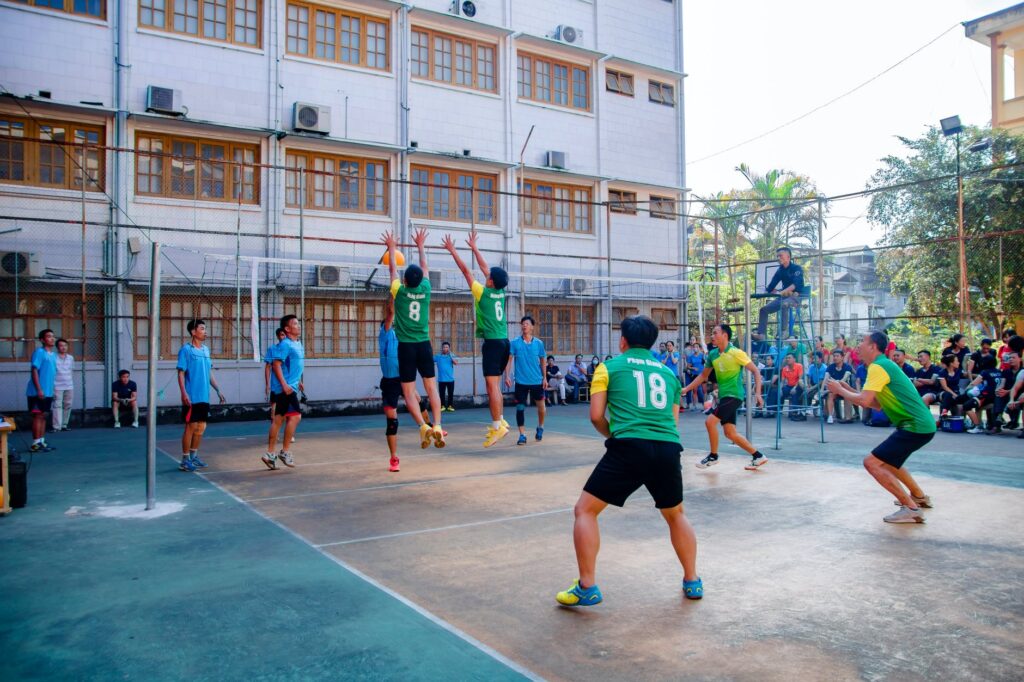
[831,420]
[975,429]
[117,425]
[135,425]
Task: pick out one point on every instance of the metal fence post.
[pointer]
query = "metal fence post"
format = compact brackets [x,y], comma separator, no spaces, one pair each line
[154,345]
[751,402]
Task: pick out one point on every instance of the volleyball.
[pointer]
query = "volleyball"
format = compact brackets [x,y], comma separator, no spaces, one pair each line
[399,258]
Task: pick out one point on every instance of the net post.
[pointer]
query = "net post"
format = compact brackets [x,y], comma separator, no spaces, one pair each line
[751,401]
[154,344]
[608,252]
[302,246]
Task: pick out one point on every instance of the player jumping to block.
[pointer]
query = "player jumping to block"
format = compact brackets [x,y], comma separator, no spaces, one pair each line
[390,384]
[492,327]
[728,362]
[888,389]
[641,396]
[412,326]
[195,377]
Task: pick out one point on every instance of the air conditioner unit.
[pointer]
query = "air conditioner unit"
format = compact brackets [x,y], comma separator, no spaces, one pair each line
[332,276]
[555,160]
[436,278]
[20,264]
[466,8]
[312,118]
[164,100]
[569,34]
[574,285]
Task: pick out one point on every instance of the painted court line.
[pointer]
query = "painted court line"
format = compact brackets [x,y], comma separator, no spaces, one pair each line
[436,620]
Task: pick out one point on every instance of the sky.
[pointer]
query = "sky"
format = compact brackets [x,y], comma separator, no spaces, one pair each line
[753,65]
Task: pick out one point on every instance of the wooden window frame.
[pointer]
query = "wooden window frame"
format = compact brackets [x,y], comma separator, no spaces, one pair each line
[339,16]
[220,324]
[453,321]
[68,7]
[31,323]
[563,201]
[658,205]
[232,33]
[362,179]
[474,46]
[667,319]
[366,324]
[456,190]
[554,319]
[622,201]
[32,143]
[662,97]
[619,78]
[166,159]
[534,89]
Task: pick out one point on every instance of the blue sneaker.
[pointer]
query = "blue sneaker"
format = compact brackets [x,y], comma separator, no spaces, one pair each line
[197,463]
[693,589]
[540,433]
[187,465]
[577,596]
[522,439]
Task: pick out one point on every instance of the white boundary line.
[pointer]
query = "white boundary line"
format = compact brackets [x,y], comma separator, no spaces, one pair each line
[436,620]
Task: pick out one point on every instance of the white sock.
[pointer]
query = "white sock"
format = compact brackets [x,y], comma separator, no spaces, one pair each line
[37,441]
[496,424]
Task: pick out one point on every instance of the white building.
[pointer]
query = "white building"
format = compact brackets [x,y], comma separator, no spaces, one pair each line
[185,115]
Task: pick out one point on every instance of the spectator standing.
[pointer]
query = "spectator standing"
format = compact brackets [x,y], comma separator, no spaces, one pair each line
[39,392]
[63,387]
[695,361]
[671,359]
[1005,348]
[446,362]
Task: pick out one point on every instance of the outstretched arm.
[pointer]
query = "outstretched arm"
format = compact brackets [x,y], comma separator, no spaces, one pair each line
[389,240]
[479,256]
[752,368]
[420,238]
[449,245]
[701,378]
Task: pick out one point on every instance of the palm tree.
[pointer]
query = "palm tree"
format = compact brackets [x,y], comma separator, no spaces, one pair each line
[785,212]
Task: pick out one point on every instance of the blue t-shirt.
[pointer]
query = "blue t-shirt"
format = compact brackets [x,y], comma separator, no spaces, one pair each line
[696,361]
[387,346]
[528,357]
[671,360]
[816,373]
[268,357]
[196,364]
[44,362]
[293,360]
[862,373]
[445,367]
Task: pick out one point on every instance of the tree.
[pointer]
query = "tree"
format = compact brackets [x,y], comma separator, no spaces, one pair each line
[786,210]
[919,219]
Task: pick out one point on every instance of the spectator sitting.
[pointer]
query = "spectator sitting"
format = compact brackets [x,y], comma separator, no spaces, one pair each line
[595,362]
[900,358]
[125,392]
[925,378]
[794,348]
[556,381]
[816,372]
[948,380]
[958,347]
[792,373]
[981,392]
[1005,348]
[839,370]
[974,360]
[768,378]
[860,376]
[577,377]
[1007,393]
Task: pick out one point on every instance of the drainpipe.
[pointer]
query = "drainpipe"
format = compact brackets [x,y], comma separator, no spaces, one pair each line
[404,35]
[681,156]
[114,302]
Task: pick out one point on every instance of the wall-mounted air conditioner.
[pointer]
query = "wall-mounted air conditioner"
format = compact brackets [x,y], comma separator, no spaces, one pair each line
[555,160]
[465,8]
[436,279]
[331,276]
[569,34]
[311,118]
[164,100]
[574,285]
[20,264]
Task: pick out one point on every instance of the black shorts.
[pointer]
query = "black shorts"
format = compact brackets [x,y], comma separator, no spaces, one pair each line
[285,404]
[495,356]
[415,357]
[629,463]
[37,405]
[535,391]
[196,412]
[727,408]
[390,391]
[895,449]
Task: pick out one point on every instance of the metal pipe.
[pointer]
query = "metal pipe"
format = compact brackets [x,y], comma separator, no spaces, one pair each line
[608,253]
[821,268]
[751,402]
[522,234]
[302,245]
[154,345]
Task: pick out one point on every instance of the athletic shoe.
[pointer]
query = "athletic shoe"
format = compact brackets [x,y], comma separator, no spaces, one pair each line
[693,589]
[451,408]
[393,464]
[505,423]
[286,458]
[709,461]
[439,435]
[426,435]
[975,430]
[522,439]
[135,425]
[540,433]
[186,465]
[564,404]
[905,515]
[830,420]
[197,463]
[922,502]
[270,459]
[756,461]
[117,425]
[495,434]
[38,447]
[577,596]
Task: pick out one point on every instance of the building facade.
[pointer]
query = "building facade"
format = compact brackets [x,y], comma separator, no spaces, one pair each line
[1002,33]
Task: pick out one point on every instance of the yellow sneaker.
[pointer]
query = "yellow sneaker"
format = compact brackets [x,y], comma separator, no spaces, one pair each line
[495,434]
[578,596]
[438,437]
[505,423]
[426,435]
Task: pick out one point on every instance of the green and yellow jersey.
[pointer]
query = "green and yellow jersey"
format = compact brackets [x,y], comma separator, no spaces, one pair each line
[642,394]
[898,397]
[729,370]
[490,312]
[412,311]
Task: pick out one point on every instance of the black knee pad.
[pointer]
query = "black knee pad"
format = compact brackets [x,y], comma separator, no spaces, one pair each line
[392,427]
[520,414]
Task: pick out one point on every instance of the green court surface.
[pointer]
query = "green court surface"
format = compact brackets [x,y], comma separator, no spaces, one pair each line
[338,569]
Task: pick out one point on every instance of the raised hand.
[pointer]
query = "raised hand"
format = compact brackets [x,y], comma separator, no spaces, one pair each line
[419,237]
[448,243]
[388,239]
[472,240]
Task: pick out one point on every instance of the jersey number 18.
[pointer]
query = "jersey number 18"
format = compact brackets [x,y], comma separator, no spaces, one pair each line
[658,390]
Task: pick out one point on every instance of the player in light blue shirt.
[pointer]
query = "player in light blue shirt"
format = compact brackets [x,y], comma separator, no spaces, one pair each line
[40,388]
[527,355]
[288,364]
[195,376]
[446,361]
[269,380]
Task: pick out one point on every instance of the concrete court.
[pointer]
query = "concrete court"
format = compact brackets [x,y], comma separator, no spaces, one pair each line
[802,577]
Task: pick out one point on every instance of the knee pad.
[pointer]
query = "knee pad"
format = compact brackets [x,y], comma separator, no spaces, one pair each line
[392,426]
[520,414]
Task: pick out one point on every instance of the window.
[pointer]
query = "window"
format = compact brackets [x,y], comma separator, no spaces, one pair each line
[88,8]
[22,317]
[223,337]
[619,313]
[51,153]
[548,206]
[338,36]
[662,93]
[452,322]
[546,80]
[564,329]
[454,59]
[663,207]
[665,318]
[230,21]
[616,81]
[621,201]
[455,195]
[336,183]
[187,168]
[340,328]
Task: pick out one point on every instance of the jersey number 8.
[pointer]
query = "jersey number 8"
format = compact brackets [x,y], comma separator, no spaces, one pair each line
[414,311]
[658,390]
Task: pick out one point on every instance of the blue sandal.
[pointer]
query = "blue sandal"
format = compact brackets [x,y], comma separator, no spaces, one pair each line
[693,589]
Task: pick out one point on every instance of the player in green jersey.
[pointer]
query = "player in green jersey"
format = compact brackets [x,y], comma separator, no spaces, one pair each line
[491,326]
[641,397]
[888,389]
[412,327]
[728,362]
